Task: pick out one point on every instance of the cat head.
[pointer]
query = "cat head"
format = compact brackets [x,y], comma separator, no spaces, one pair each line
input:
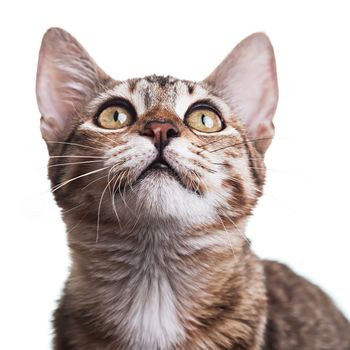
[156,148]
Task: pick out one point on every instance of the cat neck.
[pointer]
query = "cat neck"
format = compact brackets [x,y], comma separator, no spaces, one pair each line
[146,240]
[153,281]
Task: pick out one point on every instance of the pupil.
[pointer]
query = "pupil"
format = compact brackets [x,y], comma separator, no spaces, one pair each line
[207,121]
[116,116]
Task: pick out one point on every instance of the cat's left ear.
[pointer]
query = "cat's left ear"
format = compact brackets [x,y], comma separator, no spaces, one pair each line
[247,80]
[67,77]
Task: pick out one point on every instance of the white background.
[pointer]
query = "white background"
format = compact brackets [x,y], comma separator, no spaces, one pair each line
[303,220]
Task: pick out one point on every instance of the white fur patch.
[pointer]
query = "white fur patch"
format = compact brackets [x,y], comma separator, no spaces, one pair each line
[89,125]
[152,321]
[184,99]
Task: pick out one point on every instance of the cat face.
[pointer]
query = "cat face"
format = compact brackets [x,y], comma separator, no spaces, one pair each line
[156,148]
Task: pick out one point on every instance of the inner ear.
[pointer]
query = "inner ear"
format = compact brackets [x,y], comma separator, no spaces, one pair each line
[67,78]
[247,80]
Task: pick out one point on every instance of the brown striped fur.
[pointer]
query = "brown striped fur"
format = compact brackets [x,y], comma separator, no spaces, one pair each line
[159,258]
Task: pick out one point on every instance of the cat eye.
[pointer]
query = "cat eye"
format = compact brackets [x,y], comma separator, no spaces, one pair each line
[115,117]
[204,120]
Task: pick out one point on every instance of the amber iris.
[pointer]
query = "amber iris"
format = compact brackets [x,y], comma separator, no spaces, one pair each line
[114,117]
[204,120]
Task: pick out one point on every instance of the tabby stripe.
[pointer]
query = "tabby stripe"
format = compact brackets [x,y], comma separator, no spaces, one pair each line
[252,167]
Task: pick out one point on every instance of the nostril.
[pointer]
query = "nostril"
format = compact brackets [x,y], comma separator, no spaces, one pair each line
[172,132]
[147,132]
[160,131]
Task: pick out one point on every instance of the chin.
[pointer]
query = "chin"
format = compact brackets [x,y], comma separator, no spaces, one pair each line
[160,196]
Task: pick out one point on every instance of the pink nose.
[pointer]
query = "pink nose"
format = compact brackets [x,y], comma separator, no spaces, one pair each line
[160,132]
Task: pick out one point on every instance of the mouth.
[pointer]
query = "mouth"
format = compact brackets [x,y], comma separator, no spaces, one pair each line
[158,168]
[160,165]
[161,168]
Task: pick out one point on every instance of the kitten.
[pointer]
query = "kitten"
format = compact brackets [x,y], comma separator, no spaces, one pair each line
[156,178]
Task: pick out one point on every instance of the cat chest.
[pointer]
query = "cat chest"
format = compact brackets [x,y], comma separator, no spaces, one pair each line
[152,320]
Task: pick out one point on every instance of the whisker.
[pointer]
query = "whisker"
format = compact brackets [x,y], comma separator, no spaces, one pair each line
[68,210]
[198,181]
[99,178]
[278,171]
[74,156]
[76,144]
[124,189]
[220,164]
[136,222]
[241,182]
[102,134]
[118,181]
[120,178]
[228,238]
[77,224]
[104,144]
[55,188]
[205,167]
[96,141]
[113,202]
[239,231]
[207,144]
[266,138]
[239,143]
[129,181]
[115,211]
[73,163]
[99,205]
[191,181]
[188,178]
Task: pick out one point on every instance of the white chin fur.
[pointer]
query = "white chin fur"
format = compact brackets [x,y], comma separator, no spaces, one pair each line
[163,197]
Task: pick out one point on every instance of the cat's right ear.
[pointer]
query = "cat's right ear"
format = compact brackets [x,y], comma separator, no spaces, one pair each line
[67,77]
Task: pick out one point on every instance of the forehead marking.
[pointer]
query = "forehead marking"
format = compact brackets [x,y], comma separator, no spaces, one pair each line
[158,91]
[184,99]
[161,92]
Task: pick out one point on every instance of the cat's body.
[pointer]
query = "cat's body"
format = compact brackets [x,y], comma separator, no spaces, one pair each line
[157,178]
